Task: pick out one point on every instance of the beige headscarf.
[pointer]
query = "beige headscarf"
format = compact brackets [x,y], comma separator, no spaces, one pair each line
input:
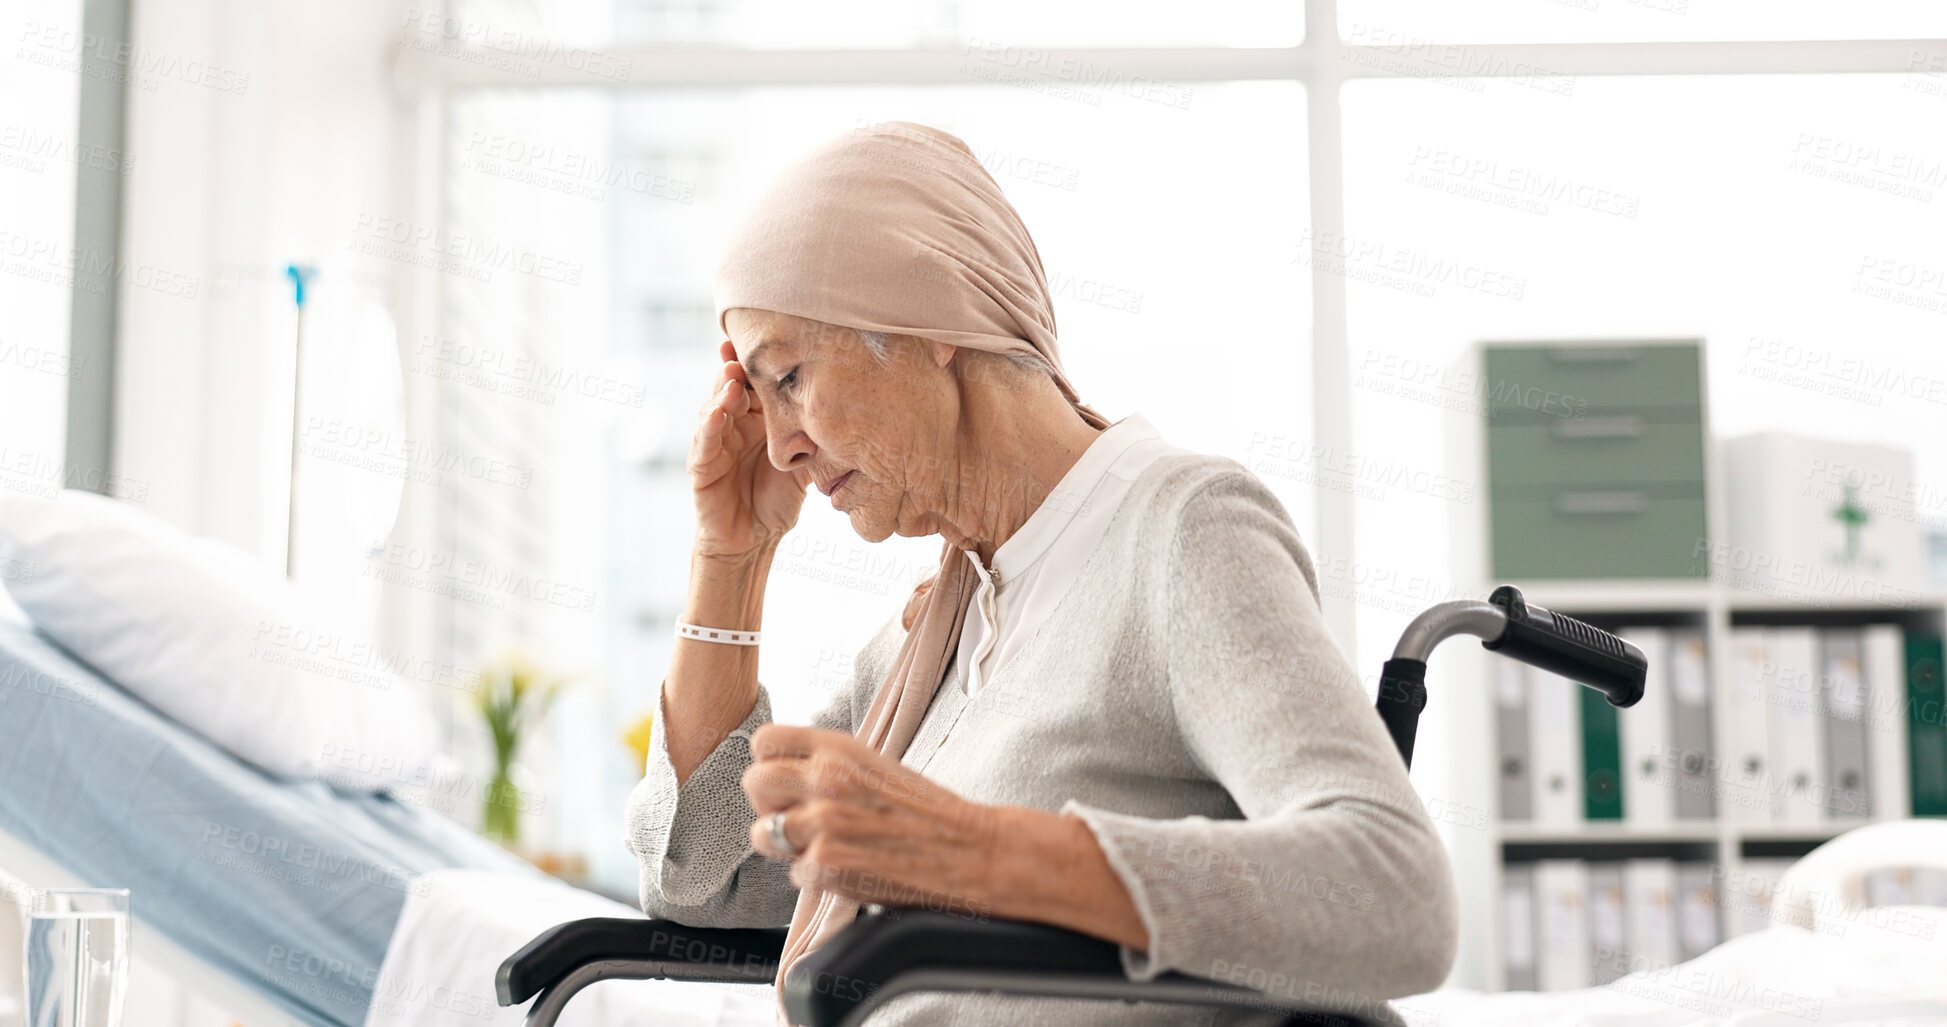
[895,227]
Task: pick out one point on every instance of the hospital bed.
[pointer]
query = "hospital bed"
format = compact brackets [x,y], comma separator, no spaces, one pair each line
[275,899]
[886,953]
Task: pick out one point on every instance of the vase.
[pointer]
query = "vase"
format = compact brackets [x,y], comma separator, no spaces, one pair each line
[503,803]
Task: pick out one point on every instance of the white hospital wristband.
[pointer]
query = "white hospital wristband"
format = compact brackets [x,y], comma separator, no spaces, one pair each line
[724,635]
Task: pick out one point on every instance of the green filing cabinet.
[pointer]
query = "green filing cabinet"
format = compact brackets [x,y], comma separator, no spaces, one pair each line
[1595,459]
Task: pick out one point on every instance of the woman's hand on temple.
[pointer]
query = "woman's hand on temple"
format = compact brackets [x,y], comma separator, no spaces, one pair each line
[743,502]
[867,827]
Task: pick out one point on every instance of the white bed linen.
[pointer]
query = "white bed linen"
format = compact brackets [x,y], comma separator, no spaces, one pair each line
[1880,966]
[455,931]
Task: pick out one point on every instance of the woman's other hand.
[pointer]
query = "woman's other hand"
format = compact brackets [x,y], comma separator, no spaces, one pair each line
[743,502]
[867,827]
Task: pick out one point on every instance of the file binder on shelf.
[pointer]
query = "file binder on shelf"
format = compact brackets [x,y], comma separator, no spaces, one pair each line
[1564,957]
[1926,725]
[1848,782]
[1650,887]
[1608,922]
[1748,893]
[1690,727]
[1649,778]
[1555,747]
[1518,926]
[1889,770]
[1516,783]
[1907,886]
[1602,791]
[1697,926]
[1747,775]
[1797,762]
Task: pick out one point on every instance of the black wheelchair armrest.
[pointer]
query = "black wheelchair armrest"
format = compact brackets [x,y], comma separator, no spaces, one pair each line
[893,952]
[655,948]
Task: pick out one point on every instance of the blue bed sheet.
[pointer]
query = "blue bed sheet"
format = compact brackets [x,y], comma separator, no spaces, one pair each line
[294,887]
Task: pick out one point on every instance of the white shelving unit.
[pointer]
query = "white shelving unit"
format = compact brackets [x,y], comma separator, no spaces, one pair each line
[1466,705]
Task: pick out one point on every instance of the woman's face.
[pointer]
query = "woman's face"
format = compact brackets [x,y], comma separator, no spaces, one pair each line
[830,408]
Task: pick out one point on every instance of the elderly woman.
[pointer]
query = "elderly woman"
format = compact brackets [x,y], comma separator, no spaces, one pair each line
[1115,708]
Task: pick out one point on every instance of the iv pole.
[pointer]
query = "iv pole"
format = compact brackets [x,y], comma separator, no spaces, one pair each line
[300,276]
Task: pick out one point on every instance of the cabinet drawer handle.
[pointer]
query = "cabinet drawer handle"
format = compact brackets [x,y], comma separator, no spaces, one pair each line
[1621,426]
[1593,354]
[1596,503]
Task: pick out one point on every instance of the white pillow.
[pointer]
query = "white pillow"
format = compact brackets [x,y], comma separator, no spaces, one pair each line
[209,635]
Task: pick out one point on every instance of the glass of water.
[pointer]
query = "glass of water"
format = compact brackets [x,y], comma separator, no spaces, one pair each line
[77,957]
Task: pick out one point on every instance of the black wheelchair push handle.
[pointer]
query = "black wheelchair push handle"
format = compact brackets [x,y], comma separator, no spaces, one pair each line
[1563,645]
[1506,624]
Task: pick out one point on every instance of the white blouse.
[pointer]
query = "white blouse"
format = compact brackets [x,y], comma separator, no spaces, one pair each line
[1035,566]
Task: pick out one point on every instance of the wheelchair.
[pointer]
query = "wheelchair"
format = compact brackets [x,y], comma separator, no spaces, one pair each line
[890,952]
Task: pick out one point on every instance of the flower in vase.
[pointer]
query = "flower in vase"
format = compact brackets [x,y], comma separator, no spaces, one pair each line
[514,696]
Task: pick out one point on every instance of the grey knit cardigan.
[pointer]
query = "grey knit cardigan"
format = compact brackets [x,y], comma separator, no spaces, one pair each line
[1185,700]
